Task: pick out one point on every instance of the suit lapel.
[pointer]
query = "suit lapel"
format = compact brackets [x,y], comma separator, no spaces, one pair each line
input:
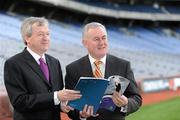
[34,65]
[50,67]
[109,68]
[86,67]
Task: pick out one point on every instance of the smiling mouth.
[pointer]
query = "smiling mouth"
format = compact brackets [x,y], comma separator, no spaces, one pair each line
[101,48]
[45,43]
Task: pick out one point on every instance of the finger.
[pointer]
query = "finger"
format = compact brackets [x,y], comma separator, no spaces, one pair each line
[82,114]
[73,98]
[70,108]
[85,108]
[72,91]
[114,97]
[118,97]
[91,110]
[75,95]
[125,100]
[70,97]
[88,112]
[64,109]
[116,102]
[116,94]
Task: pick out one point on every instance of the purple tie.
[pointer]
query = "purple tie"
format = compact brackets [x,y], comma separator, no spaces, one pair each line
[44,68]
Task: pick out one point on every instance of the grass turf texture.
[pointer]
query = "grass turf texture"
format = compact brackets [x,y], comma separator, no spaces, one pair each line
[167,110]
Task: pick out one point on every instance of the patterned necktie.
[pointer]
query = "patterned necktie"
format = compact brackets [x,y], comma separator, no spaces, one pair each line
[97,72]
[44,68]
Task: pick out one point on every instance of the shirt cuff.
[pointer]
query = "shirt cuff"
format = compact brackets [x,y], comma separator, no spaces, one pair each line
[82,118]
[56,100]
[124,109]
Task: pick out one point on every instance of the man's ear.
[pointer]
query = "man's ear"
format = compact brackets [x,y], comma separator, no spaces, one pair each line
[26,39]
[84,42]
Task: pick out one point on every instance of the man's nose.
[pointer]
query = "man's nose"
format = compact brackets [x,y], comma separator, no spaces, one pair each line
[101,41]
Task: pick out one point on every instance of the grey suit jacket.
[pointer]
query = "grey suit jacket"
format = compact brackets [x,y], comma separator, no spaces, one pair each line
[114,66]
[31,95]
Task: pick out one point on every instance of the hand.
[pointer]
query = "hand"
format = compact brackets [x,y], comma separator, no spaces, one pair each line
[87,112]
[68,95]
[65,108]
[119,100]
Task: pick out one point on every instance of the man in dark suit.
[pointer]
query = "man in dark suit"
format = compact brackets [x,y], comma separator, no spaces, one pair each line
[96,42]
[35,94]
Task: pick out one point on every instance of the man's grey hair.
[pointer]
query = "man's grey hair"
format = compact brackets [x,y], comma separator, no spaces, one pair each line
[26,27]
[91,26]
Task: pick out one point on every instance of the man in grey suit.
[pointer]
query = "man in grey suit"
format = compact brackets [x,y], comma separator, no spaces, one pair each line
[96,41]
[34,94]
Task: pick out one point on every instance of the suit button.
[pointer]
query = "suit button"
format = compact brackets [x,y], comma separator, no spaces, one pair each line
[49,91]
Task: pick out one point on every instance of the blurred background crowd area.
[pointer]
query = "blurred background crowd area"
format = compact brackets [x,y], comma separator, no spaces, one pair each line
[145,32]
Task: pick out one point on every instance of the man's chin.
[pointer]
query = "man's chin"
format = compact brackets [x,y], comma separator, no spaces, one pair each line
[101,55]
[44,50]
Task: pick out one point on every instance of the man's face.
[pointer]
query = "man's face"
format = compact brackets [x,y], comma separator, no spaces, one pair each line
[39,40]
[96,42]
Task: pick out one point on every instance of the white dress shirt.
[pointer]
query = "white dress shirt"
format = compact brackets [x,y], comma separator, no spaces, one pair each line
[37,57]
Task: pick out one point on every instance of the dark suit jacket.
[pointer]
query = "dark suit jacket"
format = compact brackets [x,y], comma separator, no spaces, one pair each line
[31,95]
[114,66]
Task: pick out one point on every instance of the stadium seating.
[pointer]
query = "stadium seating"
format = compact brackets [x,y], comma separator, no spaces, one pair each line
[173,9]
[143,8]
[150,51]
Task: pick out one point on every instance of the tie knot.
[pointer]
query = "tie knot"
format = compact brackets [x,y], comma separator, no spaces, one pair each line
[98,62]
[41,60]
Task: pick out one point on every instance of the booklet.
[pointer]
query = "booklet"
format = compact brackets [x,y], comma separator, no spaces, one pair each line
[92,90]
[116,83]
[97,92]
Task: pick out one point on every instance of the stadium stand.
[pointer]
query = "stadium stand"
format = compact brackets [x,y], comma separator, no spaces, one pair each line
[141,44]
[124,7]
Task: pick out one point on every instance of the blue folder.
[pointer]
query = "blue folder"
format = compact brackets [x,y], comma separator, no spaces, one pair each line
[92,90]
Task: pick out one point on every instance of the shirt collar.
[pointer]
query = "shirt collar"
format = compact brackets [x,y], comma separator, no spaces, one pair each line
[35,55]
[92,60]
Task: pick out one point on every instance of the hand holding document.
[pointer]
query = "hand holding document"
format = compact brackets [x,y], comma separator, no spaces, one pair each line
[97,92]
[68,95]
[117,83]
[92,90]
